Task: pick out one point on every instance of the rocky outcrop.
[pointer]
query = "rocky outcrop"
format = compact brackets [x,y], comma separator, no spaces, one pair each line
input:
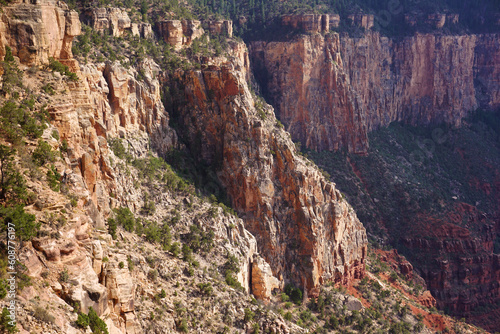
[464,272]
[179,33]
[109,102]
[304,229]
[365,21]
[436,20]
[182,33]
[142,29]
[312,92]
[113,21]
[37,31]
[311,23]
[331,91]
[220,27]
[263,281]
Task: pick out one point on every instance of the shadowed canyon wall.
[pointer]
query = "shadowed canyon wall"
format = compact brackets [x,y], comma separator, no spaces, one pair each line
[331,90]
[304,228]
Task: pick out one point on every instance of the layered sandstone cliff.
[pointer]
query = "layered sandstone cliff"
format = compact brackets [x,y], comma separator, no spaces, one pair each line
[305,232]
[458,262]
[304,229]
[115,22]
[25,27]
[330,91]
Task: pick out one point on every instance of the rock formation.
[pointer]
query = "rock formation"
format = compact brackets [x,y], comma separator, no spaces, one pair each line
[38,31]
[113,21]
[304,229]
[464,272]
[182,33]
[365,21]
[220,27]
[179,33]
[331,91]
[311,23]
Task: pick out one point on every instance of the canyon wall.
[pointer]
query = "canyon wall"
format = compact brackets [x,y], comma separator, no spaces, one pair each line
[304,228]
[331,90]
[25,28]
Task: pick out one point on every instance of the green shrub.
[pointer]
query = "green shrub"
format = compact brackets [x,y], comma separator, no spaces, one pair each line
[334,322]
[130,264]
[48,89]
[63,69]
[249,315]
[43,314]
[3,288]
[197,239]
[294,293]
[112,226]
[24,223]
[205,289]
[43,153]
[148,208]
[305,315]
[12,184]
[288,316]
[64,146]
[83,320]
[16,122]
[117,147]
[121,265]
[64,276]
[165,236]
[181,325]
[53,178]
[232,281]
[12,76]
[97,325]
[187,253]
[9,57]
[6,323]
[175,249]
[125,218]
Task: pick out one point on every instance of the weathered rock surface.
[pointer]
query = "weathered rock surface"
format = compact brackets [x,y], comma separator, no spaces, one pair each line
[365,21]
[37,31]
[179,33]
[304,229]
[220,27]
[113,21]
[263,281]
[331,91]
[311,23]
[182,33]
[464,271]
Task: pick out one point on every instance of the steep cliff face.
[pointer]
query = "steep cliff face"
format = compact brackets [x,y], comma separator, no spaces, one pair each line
[305,232]
[441,211]
[330,91]
[304,228]
[37,31]
[464,272]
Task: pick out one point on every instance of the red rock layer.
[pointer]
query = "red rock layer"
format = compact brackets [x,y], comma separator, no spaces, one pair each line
[330,91]
[458,262]
[304,229]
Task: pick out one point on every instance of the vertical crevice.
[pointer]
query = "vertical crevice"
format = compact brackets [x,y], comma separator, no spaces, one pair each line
[250,264]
